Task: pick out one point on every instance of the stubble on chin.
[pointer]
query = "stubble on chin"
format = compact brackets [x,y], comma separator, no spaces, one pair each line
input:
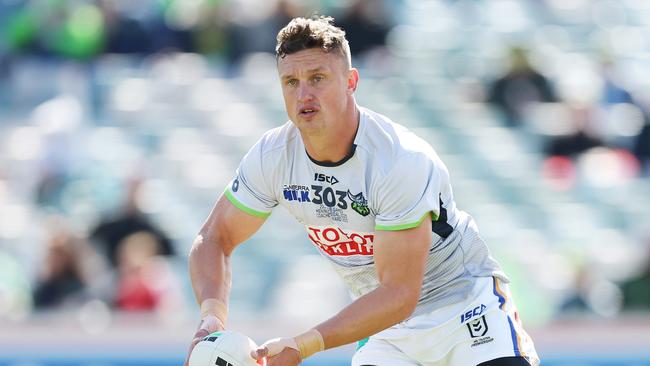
[313,128]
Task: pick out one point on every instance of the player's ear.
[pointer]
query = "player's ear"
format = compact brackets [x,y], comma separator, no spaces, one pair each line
[353,80]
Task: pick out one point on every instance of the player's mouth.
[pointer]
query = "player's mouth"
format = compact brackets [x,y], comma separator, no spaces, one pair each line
[308,112]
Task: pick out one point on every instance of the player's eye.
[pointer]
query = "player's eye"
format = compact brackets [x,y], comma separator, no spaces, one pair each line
[318,78]
[291,82]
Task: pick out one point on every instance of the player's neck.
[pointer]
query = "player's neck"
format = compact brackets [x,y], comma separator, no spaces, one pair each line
[336,144]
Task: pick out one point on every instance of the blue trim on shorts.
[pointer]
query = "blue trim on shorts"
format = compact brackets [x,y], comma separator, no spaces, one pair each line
[502,301]
[513,335]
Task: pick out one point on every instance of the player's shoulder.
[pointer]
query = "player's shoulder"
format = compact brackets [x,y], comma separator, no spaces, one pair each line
[278,139]
[390,142]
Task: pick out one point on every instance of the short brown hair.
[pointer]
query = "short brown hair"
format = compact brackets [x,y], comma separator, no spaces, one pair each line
[315,32]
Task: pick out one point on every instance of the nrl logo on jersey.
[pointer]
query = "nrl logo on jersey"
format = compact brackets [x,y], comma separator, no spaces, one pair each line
[359,203]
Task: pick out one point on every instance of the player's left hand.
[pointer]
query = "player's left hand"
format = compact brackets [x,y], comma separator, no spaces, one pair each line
[278,352]
[209,324]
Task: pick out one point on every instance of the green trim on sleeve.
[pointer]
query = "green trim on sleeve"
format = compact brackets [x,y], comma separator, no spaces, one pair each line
[242,207]
[404,226]
[362,343]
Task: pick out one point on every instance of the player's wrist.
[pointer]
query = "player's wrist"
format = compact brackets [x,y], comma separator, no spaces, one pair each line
[214,310]
[309,343]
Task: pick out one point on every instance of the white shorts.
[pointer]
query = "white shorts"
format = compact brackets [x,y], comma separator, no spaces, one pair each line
[484,327]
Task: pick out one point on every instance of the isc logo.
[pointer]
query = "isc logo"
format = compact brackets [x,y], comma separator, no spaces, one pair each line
[320,177]
[472,313]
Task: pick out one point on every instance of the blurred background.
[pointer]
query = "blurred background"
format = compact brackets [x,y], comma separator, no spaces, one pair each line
[122,121]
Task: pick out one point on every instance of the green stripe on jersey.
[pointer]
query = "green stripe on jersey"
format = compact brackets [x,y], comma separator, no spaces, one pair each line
[242,207]
[404,226]
[362,343]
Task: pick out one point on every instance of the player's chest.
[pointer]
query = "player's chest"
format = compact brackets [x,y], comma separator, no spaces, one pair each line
[322,198]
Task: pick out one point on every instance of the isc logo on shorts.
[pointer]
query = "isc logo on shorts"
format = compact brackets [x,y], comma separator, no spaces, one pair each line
[472,313]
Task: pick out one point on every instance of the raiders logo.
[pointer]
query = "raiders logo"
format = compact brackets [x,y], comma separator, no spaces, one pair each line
[478,327]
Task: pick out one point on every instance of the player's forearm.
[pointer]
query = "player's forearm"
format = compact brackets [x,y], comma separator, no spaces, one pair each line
[369,314]
[210,271]
[366,316]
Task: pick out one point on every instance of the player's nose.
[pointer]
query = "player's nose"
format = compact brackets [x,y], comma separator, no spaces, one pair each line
[305,93]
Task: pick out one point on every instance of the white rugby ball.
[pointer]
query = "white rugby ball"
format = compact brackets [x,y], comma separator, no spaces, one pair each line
[225,348]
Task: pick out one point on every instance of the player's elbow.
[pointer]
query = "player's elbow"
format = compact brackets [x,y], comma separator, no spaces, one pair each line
[407,299]
[197,245]
[208,244]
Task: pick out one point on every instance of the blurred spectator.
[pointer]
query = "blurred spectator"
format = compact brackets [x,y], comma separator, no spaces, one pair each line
[641,147]
[366,26]
[63,279]
[134,254]
[285,10]
[249,33]
[578,300]
[144,280]
[169,29]
[211,33]
[559,173]
[59,119]
[592,294]
[613,91]
[67,28]
[522,85]
[580,140]
[626,129]
[123,33]
[636,290]
[49,187]
[110,232]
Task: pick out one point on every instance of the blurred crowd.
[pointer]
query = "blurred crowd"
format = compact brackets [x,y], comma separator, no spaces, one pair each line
[222,30]
[123,262]
[116,252]
[616,120]
[614,125]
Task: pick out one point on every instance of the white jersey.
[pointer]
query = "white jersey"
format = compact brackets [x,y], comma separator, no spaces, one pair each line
[392,180]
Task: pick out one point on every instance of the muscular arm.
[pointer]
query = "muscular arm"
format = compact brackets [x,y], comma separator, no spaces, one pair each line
[209,260]
[400,259]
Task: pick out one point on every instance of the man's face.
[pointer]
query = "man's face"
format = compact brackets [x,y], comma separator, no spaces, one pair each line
[316,86]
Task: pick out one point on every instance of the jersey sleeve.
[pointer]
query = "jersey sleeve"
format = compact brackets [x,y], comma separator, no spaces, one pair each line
[408,194]
[249,190]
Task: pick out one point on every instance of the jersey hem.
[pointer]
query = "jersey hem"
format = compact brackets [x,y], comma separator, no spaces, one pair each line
[403,226]
[242,207]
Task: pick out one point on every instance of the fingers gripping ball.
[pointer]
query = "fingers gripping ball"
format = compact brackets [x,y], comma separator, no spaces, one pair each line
[227,348]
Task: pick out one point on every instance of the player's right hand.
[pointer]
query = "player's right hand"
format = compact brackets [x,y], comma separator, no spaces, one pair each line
[208,325]
[278,352]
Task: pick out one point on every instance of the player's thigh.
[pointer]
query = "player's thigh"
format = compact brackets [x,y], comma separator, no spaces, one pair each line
[380,353]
